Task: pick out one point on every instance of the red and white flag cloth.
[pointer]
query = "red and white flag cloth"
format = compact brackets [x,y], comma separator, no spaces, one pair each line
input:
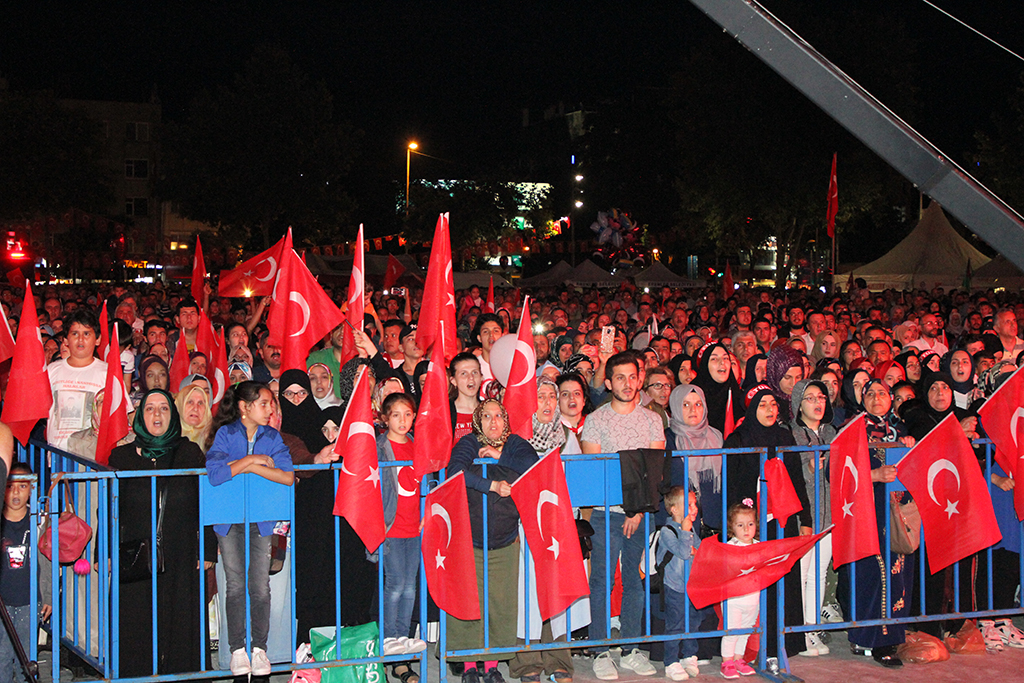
[211,345]
[256,276]
[730,418]
[943,475]
[358,498]
[302,313]
[354,313]
[432,447]
[198,274]
[448,559]
[782,499]
[439,292]
[855,531]
[489,304]
[179,364]
[114,416]
[1000,416]
[721,571]
[29,381]
[542,499]
[833,200]
[6,338]
[728,286]
[104,329]
[393,272]
[520,398]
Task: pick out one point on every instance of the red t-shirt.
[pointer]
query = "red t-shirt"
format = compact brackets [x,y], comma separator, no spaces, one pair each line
[463,425]
[407,516]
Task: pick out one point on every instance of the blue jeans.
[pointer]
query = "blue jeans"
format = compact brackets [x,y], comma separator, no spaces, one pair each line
[10,667]
[676,606]
[232,553]
[401,566]
[631,550]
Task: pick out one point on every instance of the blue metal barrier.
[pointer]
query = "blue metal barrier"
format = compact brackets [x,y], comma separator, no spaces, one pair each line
[85,608]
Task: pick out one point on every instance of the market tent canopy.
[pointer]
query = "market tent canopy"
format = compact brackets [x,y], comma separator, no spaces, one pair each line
[555,276]
[589,274]
[480,278]
[932,255]
[998,272]
[659,275]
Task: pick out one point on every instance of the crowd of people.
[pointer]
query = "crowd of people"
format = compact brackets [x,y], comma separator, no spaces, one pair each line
[617,370]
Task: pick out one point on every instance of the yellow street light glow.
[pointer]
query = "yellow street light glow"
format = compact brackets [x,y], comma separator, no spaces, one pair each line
[413,145]
[247,292]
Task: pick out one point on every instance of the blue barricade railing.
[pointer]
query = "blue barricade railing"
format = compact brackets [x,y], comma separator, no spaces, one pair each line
[85,617]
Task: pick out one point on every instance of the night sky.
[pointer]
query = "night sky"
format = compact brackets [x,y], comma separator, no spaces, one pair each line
[455,76]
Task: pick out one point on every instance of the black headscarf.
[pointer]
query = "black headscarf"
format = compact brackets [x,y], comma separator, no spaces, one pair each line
[303,420]
[144,366]
[946,363]
[157,446]
[750,372]
[780,360]
[849,397]
[922,419]
[717,393]
[751,433]
[333,414]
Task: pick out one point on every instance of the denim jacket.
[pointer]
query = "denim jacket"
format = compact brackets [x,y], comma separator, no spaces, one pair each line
[681,544]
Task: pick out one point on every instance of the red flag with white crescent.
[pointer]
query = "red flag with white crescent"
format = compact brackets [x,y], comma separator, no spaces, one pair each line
[448,559]
[256,276]
[439,292]
[551,533]
[433,445]
[114,417]
[6,338]
[944,478]
[489,305]
[198,274]
[855,532]
[358,498]
[520,398]
[29,380]
[356,307]
[721,571]
[179,364]
[782,499]
[393,272]
[211,344]
[1000,416]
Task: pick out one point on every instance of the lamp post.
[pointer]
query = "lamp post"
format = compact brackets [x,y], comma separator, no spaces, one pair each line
[408,161]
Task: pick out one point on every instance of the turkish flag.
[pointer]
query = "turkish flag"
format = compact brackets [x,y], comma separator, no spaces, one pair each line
[212,345]
[489,305]
[730,418]
[439,292]
[179,364]
[198,274]
[551,533]
[782,499]
[28,391]
[302,313]
[358,498]
[520,398]
[393,272]
[104,328]
[855,532]
[354,314]
[433,445]
[255,277]
[114,416]
[999,417]
[833,199]
[6,338]
[16,278]
[448,559]
[728,286]
[942,474]
[721,571]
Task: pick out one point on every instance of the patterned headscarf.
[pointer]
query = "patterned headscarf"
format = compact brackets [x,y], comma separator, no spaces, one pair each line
[550,435]
[478,429]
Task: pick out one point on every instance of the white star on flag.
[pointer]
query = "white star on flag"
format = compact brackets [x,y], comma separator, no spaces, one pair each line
[846,508]
[374,476]
[744,572]
[439,558]
[951,508]
[554,546]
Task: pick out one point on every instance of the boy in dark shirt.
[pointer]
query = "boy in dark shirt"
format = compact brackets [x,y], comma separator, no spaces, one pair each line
[15,564]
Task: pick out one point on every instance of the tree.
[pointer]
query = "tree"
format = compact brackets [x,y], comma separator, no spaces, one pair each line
[265,153]
[50,158]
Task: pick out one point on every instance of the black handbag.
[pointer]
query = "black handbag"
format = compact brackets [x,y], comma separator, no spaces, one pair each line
[136,556]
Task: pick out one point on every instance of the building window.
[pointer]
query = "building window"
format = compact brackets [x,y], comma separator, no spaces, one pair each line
[136,206]
[136,131]
[136,168]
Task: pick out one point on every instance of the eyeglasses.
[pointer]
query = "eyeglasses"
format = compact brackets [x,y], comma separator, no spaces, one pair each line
[814,399]
[659,386]
[301,393]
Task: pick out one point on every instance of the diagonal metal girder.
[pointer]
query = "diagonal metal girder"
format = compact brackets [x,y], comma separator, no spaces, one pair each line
[870,121]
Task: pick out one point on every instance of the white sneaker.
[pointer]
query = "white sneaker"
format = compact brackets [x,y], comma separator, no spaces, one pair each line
[392,646]
[240,663]
[413,645]
[831,614]
[815,647]
[638,663]
[1010,634]
[690,664]
[676,672]
[604,667]
[993,639]
[260,662]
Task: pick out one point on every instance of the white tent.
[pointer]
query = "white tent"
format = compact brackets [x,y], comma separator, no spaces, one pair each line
[998,272]
[589,274]
[480,278]
[658,275]
[555,276]
[932,255]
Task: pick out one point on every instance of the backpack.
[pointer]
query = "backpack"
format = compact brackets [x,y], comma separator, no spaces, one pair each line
[658,570]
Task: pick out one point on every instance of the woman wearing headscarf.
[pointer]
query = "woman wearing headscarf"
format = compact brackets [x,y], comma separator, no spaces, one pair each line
[561,351]
[930,362]
[194,408]
[689,430]
[826,345]
[239,371]
[785,369]
[811,425]
[491,438]
[960,366]
[850,394]
[911,363]
[890,372]
[874,585]
[761,428]
[159,445]
[721,391]
[755,371]
[321,383]
[153,374]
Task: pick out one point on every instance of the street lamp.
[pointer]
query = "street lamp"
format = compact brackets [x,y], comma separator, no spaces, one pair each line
[408,161]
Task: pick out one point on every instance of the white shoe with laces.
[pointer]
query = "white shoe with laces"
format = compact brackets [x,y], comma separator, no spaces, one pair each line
[260,662]
[676,672]
[604,667]
[690,664]
[240,663]
[637,662]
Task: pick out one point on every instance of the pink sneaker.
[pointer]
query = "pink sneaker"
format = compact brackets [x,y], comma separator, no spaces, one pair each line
[743,669]
[729,669]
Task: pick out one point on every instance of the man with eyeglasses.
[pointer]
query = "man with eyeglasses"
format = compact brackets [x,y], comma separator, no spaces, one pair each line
[929,340]
[658,385]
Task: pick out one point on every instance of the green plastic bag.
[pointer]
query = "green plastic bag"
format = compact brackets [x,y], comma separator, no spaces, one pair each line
[356,642]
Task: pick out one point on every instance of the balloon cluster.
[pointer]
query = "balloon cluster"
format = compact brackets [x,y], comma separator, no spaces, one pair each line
[618,239]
